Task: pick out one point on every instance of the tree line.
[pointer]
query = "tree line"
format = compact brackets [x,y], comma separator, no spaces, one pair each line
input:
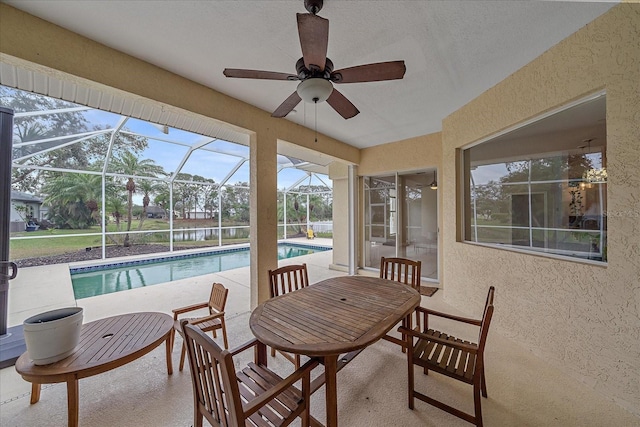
[68,141]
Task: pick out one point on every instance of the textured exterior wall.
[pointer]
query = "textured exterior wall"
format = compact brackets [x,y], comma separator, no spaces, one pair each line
[583,318]
[339,174]
[402,156]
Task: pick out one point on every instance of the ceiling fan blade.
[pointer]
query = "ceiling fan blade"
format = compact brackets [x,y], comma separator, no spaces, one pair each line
[288,105]
[314,38]
[370,72]
[258,74]
[342,105]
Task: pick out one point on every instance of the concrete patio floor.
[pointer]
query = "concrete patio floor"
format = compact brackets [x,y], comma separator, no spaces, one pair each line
[523,389]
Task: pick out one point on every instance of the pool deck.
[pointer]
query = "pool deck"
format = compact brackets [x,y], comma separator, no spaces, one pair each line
[523,389]
[44,288]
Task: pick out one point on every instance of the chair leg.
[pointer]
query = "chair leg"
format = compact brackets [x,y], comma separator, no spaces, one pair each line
[172,337]
[273,352]
[484,384]
[296,364]
[476,401]
[404,338]
[410,371]
[224,334]
[182,356]
[306,395]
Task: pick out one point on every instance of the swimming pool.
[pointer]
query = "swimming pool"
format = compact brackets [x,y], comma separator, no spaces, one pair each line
[108,278]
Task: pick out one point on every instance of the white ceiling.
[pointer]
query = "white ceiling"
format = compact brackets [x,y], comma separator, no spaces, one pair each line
[454,50]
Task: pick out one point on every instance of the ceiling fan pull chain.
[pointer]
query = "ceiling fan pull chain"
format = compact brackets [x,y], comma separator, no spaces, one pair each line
[315,102]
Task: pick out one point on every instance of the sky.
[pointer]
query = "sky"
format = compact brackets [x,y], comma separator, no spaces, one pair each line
[169,151]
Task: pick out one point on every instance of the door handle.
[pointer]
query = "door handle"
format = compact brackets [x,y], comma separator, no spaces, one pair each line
[14,270]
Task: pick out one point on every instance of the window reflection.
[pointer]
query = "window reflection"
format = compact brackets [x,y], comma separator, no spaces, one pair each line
[526,192]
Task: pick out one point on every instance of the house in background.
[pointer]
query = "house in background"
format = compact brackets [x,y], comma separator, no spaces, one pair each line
[24,207]
[156,212]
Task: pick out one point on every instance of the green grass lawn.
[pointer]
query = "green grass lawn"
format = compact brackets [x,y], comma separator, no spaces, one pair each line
[40,244]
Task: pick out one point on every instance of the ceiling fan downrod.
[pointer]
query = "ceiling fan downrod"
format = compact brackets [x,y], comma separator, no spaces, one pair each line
[313,6]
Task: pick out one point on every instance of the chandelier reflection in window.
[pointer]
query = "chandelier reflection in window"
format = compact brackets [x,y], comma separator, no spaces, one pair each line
[593,175]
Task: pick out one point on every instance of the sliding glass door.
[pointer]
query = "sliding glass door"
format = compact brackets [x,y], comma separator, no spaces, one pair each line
[380,219]
[400,219]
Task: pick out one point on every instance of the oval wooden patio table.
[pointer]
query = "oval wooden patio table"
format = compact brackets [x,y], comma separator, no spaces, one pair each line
[333,317]
[104,344]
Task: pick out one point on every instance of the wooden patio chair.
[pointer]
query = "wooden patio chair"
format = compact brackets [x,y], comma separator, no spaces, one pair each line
[284,280]
[405,271]
[210,323]
[253,396]
[440,352]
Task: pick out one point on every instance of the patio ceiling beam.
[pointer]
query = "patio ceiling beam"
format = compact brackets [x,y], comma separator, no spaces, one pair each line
[48,168]
[320,179]
[116,129]
[47,112]
[172,141]
[187,155]
[234,170]
[57,138]
[46,150]
[103,210]
[295,184]
[201,146]
[205,183]
[121,175]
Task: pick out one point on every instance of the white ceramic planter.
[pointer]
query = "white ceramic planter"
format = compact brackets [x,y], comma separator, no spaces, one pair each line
[53,335]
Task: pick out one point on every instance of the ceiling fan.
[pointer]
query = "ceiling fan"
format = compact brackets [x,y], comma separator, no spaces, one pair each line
[315,71]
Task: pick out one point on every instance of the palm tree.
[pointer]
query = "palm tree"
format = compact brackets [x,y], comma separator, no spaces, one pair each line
[75,197]
[129,164]
[148,188]
[116,206]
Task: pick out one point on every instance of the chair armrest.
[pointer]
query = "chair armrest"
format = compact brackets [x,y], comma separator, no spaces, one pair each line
[427,312]
[188,308]
[207,318]
[257,403]
[242,347]
[471,348]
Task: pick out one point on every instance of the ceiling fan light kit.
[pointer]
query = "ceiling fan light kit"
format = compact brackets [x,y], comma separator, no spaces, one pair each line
[314,90]
[434,183]
[315,70]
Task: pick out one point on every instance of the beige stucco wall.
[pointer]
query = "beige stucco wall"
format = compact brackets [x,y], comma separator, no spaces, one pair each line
[339,175]
[583,318]
[411,154]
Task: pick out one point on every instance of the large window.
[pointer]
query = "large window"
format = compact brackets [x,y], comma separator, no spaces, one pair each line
[542,187]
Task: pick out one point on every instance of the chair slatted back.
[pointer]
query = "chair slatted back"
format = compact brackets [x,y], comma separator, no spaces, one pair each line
[287,279]
[218,298]
[401,270]
[486,321]
[215,387]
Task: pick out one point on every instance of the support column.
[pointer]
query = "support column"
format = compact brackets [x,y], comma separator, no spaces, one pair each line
[263,182]
[353,205]
[6,147]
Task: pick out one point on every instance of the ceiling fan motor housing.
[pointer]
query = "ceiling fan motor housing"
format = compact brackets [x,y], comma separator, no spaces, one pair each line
[304,73]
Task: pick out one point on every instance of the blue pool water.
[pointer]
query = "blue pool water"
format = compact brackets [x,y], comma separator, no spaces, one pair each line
[105,279]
